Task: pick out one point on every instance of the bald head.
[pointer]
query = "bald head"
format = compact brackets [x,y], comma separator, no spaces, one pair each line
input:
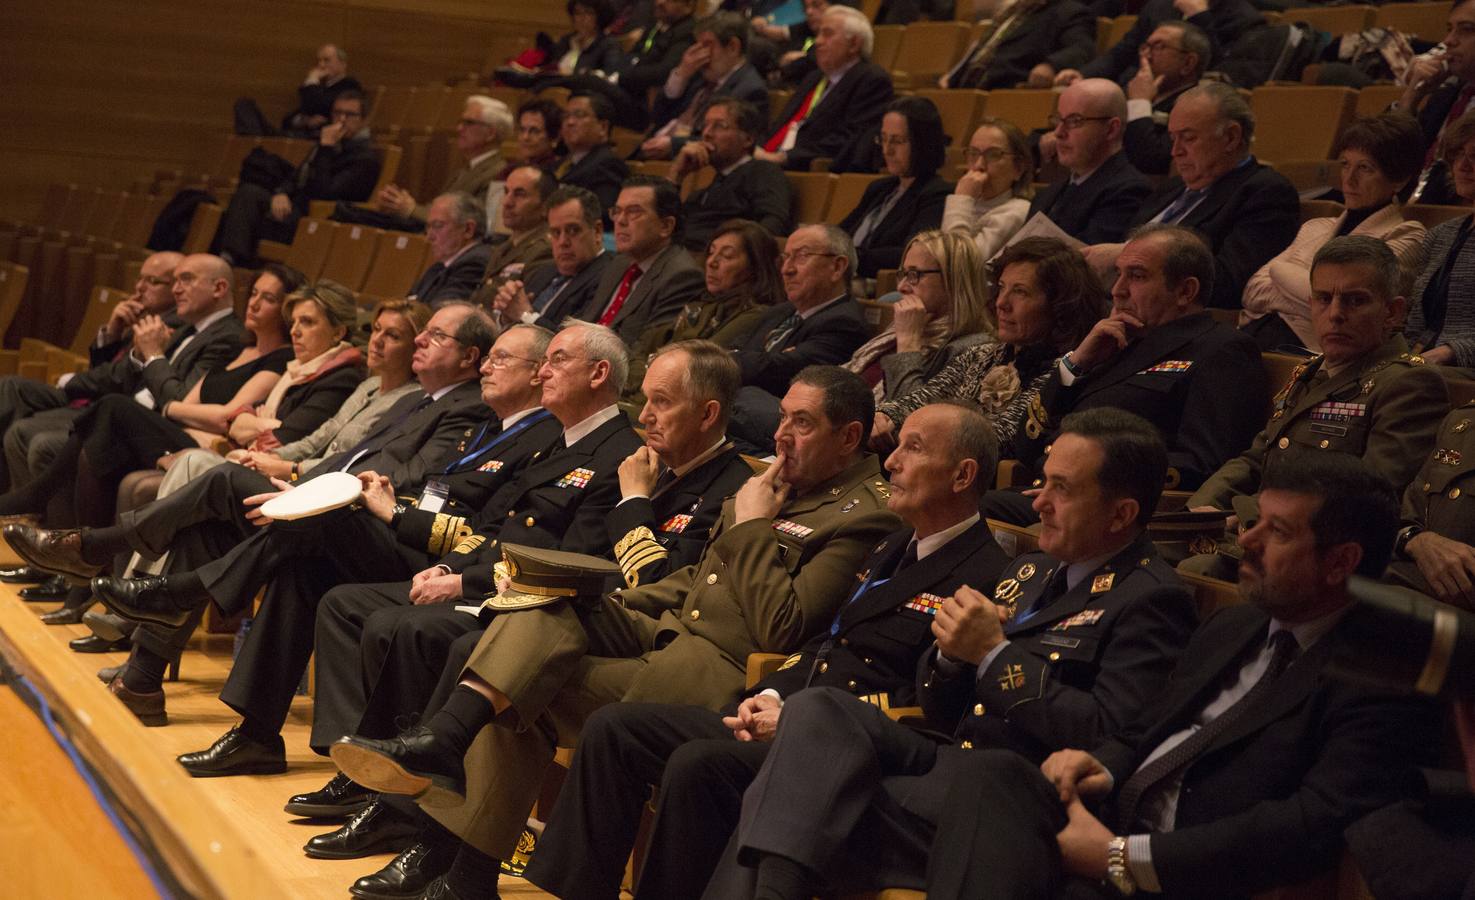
[1093,115]
[202,285]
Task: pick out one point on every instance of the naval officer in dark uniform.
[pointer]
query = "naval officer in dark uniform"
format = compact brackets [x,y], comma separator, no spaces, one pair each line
[946,454]
[1076,641]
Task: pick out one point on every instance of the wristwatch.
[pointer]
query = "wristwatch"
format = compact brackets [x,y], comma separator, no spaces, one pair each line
[394,517]
[1117,873]
[1400,543]
[1070,366]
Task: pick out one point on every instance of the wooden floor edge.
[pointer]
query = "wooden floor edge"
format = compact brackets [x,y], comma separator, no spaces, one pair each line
[194,837]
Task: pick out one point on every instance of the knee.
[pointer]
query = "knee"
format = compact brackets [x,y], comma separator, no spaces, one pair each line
[604,731]
[691,769]
[815,701]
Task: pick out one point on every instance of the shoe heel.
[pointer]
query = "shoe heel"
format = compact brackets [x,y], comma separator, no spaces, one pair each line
[154,720]
[173,670]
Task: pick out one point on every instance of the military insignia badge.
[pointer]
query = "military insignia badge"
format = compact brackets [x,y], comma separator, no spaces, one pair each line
[1460,426]
[1007,591]
[1447,457]
[1012,678]
[676,524]
[791,662]
[1169,366]
[792,529]
[1102,583]
[1332,411]
[491,465]
[1035,423]
[1367,386]
[924,603]
[1026,572]
[1084,617]
[849,506]
[578,478]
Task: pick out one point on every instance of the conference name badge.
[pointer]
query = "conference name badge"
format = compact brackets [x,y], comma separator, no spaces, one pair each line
[578,478]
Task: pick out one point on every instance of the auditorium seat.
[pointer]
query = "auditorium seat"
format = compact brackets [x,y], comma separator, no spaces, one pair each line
[812,191]
[886,45]
[1299,121]
[308,250]
[1026,108]
[778,98]
[1109,32]
[424,110]
[12,290]
[399,259]
[350,255]
[202,228]
[877,315]
[385,117]
[1310,174]
[849,187]
[95,315]
[1375,98]
[926,51]
[959,109]
[1427,21]
[1432,214]
[1336,20]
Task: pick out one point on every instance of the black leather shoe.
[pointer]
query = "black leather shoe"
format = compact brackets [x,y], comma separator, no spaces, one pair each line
[55,551]
[142,600]
[377,828]
[408,874]
[235,754]
[21,575]
[439,889]
[339,798]
[54,587]
[106,625]
[94,644]
[67,615]
[412,764]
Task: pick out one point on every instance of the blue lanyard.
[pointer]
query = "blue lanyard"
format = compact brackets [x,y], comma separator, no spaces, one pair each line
[864,586]
[478,450]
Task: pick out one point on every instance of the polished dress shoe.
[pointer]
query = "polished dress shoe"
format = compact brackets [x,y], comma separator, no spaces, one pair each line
[440,889]
[377,828]
[54,587]
[31,519]
[141,600]
[94,644]
[408,874]
[233,753]
[106,625]
[412,764]
[55,551]
[339,798]
[67,615]
[148,707]
[21,575]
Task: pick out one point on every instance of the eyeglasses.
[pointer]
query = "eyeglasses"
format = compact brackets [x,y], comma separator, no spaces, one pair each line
[883,141]
[347,114]
[912,276]
[472,123]
[616,212]
[439,338]
[500,360]
[991,155]
[157,280]
[558,359]
[1155,46]
[578,114]
[1076,120]
[803,254]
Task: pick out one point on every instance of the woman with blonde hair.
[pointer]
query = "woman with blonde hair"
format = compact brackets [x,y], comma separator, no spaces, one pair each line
[943,310]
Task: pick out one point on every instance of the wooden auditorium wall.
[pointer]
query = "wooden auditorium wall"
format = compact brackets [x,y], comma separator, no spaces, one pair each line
[101,92]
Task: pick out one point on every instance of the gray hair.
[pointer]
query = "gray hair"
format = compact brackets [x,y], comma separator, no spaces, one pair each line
[541,337]
[1196,41]
[466,208]
[1359,249]
[711,373]
[1231,106]
[493,112]
[974,439]
[601,343]
[856,26]
[838,240]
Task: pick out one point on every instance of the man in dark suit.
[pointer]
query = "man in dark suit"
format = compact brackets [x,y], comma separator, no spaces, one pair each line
[1030,42]
[870,651]
[1247,211]
[344,165]
[1173,60]
[454,228]
[1160,355]
[1075,643]
[1439,92]
[844,97]
[1101,191]
[742,187]
[201,523]
[589,162]
[820,325]
[524,212]
[653,276]
[1245,771]
[716,65]
[1224,22]
[554,291]
[656,53]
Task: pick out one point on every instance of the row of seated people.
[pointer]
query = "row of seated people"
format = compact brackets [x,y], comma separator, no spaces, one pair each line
[809,497]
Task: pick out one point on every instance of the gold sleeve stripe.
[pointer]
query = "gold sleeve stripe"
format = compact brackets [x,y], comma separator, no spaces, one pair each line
[469,544]
[637,549]
[444,533]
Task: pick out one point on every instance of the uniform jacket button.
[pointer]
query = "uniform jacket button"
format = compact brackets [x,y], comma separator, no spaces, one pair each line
[712,579]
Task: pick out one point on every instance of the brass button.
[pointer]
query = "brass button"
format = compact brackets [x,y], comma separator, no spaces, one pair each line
[978,709]
[511,513]
[1145,561]
[1454,494]
[1324,444]
[867,660]
[1427,485]
[844,642]
[531,521]
[850,685]
[1054,657]
[696,614]
[824,667]
[1047,448]
[712,579]
[966,745]
[1283,443]
[1036,483]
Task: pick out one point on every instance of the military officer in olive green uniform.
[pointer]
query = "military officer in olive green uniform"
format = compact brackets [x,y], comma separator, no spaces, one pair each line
[1365,395]
[1435,550]
[773,574]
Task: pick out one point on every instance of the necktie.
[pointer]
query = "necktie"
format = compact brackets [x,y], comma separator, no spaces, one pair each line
[1182,205]
[622,293]
[1052,592]
[376,438]
[780,334]
[563,167]
[1282,650]
[546,295]
[181,338]
[781,139]
[1059,202]
[712,188]
[876,579]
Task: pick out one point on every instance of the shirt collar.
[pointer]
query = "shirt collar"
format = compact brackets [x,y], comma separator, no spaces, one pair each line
[933,542]
[682,470]
[446,390]
[475,161]
[1309,632]
[834,78]
[213,318]
[809,313]
[575,433]
[734,167]
[519,416]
